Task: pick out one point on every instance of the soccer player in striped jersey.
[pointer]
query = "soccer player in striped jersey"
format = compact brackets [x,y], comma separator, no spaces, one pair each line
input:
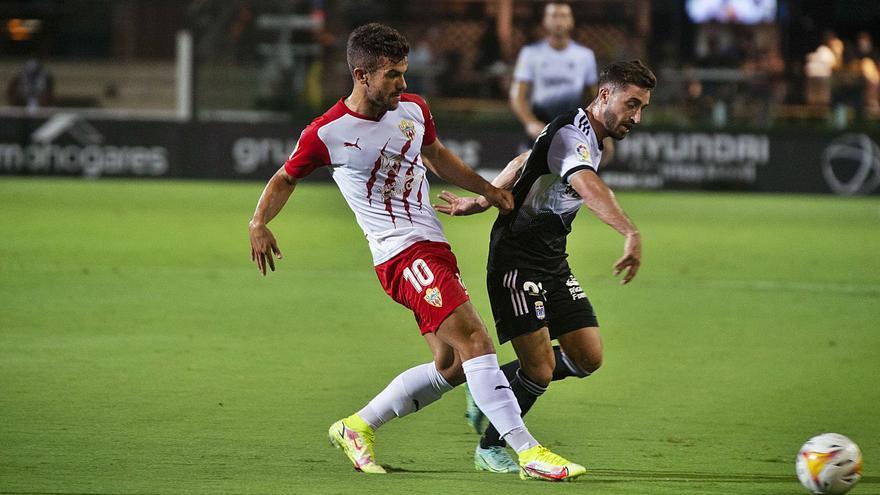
[378,144]
[534,296]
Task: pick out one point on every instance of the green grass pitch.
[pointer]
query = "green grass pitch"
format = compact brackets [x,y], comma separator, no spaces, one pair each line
[141,353]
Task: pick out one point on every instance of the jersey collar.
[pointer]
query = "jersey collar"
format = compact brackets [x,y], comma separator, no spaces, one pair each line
[359,115]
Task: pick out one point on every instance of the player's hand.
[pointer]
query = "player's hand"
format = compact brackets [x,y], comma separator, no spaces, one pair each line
[534,128]
[499,198]
[458,206]
[263,247]
[631,260]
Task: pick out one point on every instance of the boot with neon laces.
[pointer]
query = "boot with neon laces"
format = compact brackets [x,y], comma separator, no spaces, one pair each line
[538,463]
[355,437]
[494,459]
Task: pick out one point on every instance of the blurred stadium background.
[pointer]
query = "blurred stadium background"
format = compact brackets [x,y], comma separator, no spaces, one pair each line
[770,95]
[140,352]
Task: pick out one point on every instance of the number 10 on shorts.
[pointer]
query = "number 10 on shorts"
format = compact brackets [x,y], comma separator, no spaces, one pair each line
[419,275]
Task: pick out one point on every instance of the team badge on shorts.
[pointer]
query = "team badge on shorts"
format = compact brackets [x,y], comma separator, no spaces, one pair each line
[433,297]
[539,310]
[582,152]
[408,128]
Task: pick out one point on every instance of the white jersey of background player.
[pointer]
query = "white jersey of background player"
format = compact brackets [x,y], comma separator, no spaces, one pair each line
[552,75]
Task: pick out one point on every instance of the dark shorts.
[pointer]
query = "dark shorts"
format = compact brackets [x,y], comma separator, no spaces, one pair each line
[524,301]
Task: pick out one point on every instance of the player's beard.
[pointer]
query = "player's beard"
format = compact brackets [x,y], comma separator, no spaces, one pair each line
[382,103]
[385,102]
[613,124]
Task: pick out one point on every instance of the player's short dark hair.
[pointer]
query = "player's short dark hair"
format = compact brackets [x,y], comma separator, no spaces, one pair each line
[632,72]
[368,44]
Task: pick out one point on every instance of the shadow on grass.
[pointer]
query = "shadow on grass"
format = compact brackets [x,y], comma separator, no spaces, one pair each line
[395,469]
[624,475]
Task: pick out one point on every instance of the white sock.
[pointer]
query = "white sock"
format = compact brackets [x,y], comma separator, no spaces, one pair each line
[410,391]
[493,396]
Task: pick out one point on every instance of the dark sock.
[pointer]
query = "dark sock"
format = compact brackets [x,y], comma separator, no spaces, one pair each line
[559,372]
[526,392]
[563,369]
[509,370]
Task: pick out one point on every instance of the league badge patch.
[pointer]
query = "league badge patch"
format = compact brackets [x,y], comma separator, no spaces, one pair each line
[408,128]
[539,310]
[433,297]
[582,152]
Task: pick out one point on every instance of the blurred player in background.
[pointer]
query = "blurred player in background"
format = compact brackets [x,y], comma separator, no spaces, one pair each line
[554,75]
[534,296]
[32,87]
[378,143]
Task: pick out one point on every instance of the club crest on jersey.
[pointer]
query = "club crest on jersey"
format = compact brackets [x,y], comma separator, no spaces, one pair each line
[582,152]
[433,297]
[408,128]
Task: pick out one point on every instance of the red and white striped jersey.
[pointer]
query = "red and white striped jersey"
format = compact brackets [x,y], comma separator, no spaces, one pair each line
[378,167]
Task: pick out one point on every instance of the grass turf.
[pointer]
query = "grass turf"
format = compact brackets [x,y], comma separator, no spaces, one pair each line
[141,353]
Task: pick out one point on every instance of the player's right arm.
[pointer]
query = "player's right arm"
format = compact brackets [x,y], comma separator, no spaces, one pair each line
[461,206]
[523,75]
[309,154]
[519,103]
[274,197]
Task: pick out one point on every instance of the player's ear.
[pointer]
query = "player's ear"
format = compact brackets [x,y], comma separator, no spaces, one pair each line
[360,76]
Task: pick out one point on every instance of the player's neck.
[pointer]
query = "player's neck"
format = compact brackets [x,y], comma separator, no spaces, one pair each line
[596,124]
[358,103]
[558,42]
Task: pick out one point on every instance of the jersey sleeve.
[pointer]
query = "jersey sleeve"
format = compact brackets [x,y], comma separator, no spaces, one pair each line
[524,70]
[569,154]
[310,153]
[430,129]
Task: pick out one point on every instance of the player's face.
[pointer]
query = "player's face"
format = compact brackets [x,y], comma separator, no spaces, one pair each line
[622,108]
[385,84]
[558,19]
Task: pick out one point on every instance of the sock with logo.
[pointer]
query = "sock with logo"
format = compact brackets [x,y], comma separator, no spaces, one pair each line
[526,392]
[410,391]
[494,396]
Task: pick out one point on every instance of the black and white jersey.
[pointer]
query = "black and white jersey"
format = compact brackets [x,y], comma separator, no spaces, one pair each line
[533,235]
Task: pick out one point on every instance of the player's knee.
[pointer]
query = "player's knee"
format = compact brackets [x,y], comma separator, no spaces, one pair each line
[477,344]
[474,341]
[543,376]
[540,372]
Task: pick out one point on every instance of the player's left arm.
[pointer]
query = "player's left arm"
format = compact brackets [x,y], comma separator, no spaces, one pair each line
[600,199]
[460,206]
[449,167]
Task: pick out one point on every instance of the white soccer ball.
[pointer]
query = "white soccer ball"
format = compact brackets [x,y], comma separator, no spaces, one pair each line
[829,464]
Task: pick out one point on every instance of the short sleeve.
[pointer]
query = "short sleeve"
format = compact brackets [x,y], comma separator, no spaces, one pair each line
[309,154]
[569,153]
[524,70]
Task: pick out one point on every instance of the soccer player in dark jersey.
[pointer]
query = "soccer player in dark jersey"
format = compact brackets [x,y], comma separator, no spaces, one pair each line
[534,296]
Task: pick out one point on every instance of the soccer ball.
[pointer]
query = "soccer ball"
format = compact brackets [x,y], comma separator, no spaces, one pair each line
[829,464]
